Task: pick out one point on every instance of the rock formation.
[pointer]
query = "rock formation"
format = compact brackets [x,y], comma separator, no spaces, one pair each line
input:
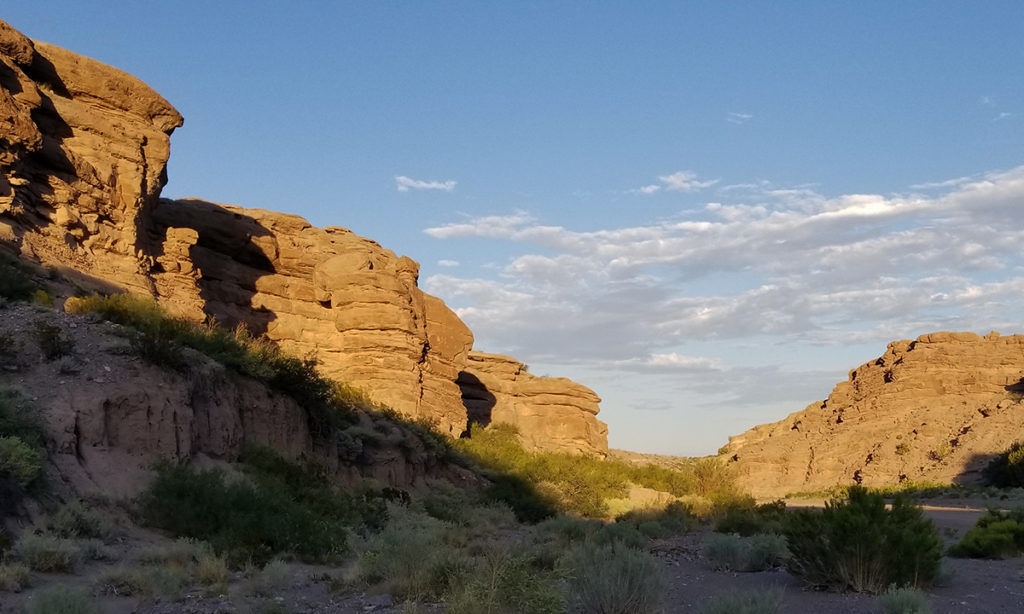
[935,409]
[553,414]
[83,153]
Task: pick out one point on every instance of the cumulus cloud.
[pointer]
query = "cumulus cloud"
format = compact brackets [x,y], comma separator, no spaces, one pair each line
[405,184]
[738,118]
[794,265]
[448,263]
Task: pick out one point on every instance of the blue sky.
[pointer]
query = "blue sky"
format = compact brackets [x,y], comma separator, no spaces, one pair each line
[707,212]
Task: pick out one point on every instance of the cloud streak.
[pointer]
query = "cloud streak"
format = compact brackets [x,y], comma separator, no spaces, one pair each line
[406,184]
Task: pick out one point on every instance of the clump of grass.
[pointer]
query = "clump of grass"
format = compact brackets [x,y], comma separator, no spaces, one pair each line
[14,577]
[861,545]
[502,581]
[166,581]
[997,535]
[614,579]
[735,553]
[46,553]
[748,602]
[905,600]
[62,599]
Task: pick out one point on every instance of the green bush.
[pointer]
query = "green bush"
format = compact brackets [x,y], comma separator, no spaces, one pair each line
[752,602]
[734,553]
[281,507]
[615,579]
[904,601]
[996,535]
[19,462]
[61,599]
[1007,469]
[860,545]
[743,517]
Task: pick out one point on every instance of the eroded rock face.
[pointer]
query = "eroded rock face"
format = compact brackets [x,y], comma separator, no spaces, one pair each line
[83,154]
[935,409]
[552,414]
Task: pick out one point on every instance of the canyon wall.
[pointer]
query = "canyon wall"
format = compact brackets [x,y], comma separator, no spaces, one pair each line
[83,153]
[935,409]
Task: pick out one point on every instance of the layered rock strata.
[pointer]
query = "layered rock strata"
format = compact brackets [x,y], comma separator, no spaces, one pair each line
[552,414]
[83,153]
[935,409]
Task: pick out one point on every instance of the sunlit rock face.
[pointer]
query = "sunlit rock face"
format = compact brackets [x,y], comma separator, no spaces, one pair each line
[83,155]
[935,409]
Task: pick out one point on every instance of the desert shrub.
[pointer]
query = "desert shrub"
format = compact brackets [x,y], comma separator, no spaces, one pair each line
[614,579]
[46,553]
[858,544]
[743,517]
[904,601]
[674,519]
[281,507]
[76,520]
[275,577]
[748,602]
[734,553]
[61,599]
[19,462]
[52,339]
[166,581]
[620,534]
[1007,469]
[15,279]
[504,582]
[213,571]
[13,577]
[997,535]
[713,478]
[413,557]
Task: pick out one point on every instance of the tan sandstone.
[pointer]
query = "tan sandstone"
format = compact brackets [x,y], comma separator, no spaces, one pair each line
[82,162]
[935,409]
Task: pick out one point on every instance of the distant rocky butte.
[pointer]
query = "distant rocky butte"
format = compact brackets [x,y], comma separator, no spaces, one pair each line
[935,409]
[83,153]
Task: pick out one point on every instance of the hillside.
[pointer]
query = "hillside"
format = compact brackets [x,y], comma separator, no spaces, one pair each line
[935,409]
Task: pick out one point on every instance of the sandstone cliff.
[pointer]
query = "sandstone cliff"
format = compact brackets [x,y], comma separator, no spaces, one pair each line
[83,153]
[934,409]
[553,414]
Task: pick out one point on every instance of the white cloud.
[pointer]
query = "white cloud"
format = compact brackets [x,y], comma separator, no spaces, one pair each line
[679,181]
[738,118]
[448,263]
[1002,116]
[797,263]
[684,181]
[404,184]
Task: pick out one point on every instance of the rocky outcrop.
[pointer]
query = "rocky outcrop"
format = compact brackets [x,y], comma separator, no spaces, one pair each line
[83,153]
[935,409]
[552,414]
